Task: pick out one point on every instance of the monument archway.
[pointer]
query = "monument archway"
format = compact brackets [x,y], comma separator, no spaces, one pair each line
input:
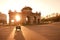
[34,19]
[27,19]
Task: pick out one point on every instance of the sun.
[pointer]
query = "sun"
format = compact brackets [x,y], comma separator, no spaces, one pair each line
[18,18]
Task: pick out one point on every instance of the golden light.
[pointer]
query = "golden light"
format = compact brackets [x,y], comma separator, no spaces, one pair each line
[26,19]
[12,20]
[18,18]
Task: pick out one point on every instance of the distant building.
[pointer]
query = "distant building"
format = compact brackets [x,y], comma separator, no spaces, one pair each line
[3,18]
[26,16]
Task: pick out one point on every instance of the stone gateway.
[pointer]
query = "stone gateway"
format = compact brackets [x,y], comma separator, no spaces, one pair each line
[26,16]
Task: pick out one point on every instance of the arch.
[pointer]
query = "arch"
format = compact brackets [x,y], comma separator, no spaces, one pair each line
[27,19]
[34,19]
[38,21]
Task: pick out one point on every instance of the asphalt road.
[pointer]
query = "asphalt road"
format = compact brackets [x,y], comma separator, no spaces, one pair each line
[32,32]
[10,33]
[42,32]
[5,32]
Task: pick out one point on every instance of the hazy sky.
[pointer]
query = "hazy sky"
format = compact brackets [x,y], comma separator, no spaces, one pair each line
[44,6]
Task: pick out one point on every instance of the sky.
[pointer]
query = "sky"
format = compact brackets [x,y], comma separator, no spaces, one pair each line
[46,7]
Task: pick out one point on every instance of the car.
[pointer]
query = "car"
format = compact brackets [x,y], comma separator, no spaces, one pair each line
[18,28]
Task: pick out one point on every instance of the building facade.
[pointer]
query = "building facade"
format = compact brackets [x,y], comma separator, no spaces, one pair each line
[3,19]
[26,16]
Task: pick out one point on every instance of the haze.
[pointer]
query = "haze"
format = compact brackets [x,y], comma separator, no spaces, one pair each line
[46,7]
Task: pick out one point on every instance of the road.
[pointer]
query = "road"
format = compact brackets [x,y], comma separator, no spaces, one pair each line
[5,32]
[42,32]
[32,32]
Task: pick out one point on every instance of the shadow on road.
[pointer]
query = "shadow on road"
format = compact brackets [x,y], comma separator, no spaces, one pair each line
[19,35]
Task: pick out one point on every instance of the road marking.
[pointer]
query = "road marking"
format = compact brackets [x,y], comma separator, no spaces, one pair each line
[11,37]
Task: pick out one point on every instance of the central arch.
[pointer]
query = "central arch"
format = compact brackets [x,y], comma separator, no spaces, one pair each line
[27,19]
[34,19]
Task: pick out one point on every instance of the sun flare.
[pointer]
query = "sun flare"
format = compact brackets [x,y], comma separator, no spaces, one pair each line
[18,18]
